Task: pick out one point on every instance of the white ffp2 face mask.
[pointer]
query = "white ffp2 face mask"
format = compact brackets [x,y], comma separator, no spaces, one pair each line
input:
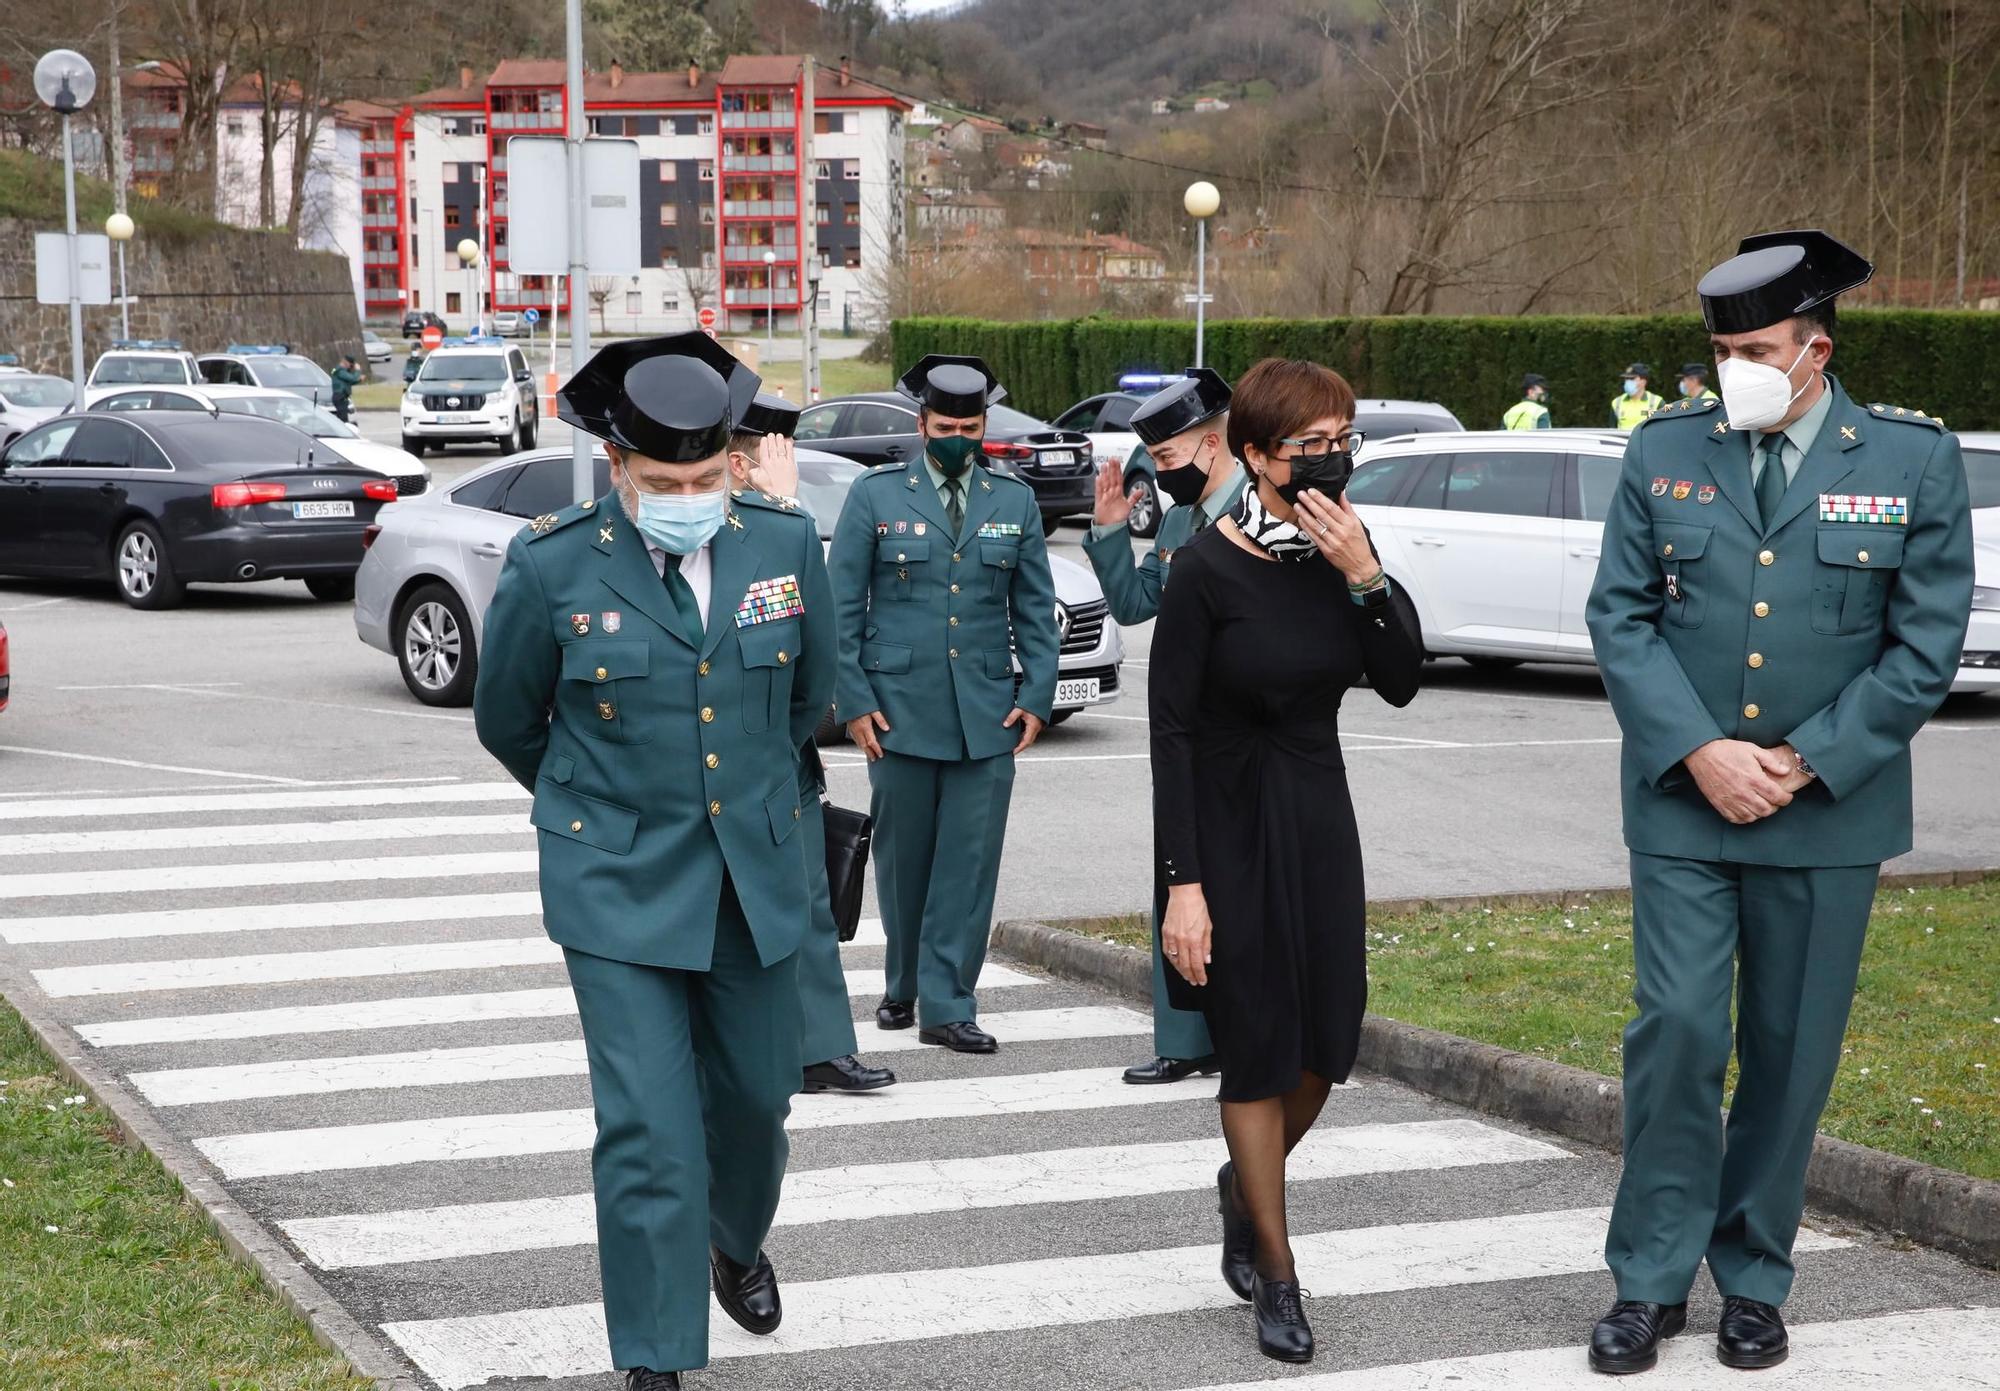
[1755,394]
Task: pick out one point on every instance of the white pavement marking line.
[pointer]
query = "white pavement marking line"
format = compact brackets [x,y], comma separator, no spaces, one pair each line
[269,917]
[1939,1350]
[901,1306]
[415,958]
[115,805]
[36,604]
[512,1062]
[153,767]
[252,833]
[129,792]
[861,1192]
[263,873]
[1427,747]
[399,713]
[151,686]
[324,1149]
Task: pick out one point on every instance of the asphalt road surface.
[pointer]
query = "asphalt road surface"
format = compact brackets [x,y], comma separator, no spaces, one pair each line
[295,912]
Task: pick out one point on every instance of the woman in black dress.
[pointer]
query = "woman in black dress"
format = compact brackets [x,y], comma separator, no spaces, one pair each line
[1273,614]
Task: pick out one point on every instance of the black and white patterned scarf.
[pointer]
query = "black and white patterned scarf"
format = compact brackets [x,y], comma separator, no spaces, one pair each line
[1278,539]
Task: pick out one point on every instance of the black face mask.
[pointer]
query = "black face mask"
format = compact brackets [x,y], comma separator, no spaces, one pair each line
[1328,472]
[1183,484]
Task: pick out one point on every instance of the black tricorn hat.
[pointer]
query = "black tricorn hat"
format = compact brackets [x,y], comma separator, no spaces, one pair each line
[1178,407]
[955,386]
[769,415]
[675,399]
[1775,275]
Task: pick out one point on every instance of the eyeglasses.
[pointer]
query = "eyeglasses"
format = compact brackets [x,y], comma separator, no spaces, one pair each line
[1318,449]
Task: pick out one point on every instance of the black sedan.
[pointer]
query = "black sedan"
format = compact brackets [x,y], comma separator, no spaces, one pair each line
[880,427]
[417,320]
[153,500]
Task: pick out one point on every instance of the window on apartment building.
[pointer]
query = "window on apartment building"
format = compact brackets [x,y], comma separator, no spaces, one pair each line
[235,125]
[850,169]
[670,216]
[823,169]
[851,258]
[832,122]
[634,303]
[451,301]
[667,171]
[708,214]
[705,171]
[826,256]
[708,260]
[669,305]
[823,214]
[670,259]
[704,125]
[451,217]
[852,213]
[826,301]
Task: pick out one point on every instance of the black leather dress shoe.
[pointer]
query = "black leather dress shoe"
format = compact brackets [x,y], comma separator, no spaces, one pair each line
[747,1293]
[895,1014]
[1239,1236]
[847,1074]
[646,1379]
[962,1036]
[1751,1335]
[1282,1330]
[1628,1338]
[1171,1070]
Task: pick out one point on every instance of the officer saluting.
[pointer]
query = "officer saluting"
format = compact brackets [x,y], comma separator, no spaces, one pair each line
[1780,606]
[1184,426]
[653,661]
[940,576]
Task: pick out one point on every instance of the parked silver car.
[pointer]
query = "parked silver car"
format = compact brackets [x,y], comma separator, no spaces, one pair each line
[431,563]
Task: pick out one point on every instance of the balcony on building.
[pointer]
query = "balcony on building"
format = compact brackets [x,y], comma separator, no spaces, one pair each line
[759,111]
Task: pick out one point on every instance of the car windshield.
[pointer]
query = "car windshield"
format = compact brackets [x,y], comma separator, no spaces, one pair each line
[290,371]
[1982,475]
[35,391]
[294,411]
[121,371]
[1381,425]
[467,367]
[1013,421]
[823,485]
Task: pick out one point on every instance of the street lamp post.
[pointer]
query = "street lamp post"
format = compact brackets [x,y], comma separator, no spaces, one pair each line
[1201,200]
[468,252]
[119,228]
[65,82]
[771,306]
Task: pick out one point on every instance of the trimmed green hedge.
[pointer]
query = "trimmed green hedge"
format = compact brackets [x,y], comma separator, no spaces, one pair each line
[1932,360]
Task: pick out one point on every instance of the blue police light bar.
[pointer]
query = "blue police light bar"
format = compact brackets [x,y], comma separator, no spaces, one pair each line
[10,359]
[474,340]
[257,349]
[143,345]
[1146,381]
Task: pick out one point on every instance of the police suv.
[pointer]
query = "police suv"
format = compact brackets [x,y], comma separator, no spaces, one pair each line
[471,391]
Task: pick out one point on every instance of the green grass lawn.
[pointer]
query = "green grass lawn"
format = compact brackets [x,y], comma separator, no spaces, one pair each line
[838,377]
[32,189]
[1921,1071]
[110,1278]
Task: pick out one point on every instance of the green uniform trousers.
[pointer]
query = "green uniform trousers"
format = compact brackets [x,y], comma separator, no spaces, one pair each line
[939,827]
[1177,1033]
[1692,1187]
[827,1030]
[692,1074]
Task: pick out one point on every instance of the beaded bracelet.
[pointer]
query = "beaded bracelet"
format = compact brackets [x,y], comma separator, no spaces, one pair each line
[1376,582]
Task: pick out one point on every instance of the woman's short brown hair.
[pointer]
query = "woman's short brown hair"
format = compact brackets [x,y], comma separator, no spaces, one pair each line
[1281,396]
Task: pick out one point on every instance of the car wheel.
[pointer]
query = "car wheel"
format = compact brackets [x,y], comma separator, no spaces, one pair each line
[1493,663]
[529,431]
[331,589]
[413,445]
[1051,522]
[434,647]
[1059,716]
[831,731]
[142,570]
[1145,518]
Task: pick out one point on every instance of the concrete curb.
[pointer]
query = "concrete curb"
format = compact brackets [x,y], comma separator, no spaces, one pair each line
[242,1235]
[1950,1211]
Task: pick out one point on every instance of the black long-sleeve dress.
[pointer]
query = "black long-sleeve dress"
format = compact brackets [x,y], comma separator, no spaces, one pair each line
[1250,798]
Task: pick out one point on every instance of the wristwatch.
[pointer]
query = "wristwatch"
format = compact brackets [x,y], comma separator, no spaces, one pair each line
[1802,766]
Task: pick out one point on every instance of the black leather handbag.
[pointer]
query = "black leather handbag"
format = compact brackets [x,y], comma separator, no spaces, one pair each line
[847,836]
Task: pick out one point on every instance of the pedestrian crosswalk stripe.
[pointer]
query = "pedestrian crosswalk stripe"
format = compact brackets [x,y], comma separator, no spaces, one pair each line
[271,968]
[263,917]
[906,1305]
[133,839]
[263,873]
[177,804]
[865,1191]
[414,1011]
[1937,1349]
[380,1144]
[445,1067]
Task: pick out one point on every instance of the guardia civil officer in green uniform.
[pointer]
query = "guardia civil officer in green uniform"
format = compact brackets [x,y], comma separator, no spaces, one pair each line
[1531,412]
[1184,426]
[653,661]
[935,563]
[1636,400]
[761,457]
[1784,589]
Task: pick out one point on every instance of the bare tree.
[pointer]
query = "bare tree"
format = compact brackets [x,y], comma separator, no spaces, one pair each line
[602,288]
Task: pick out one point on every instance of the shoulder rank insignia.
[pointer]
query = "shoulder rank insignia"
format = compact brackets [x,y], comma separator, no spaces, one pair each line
[1906,415]
[544,523]
[550,522]
[1687,405]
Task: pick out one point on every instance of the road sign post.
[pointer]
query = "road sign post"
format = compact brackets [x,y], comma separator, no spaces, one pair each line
[432,338]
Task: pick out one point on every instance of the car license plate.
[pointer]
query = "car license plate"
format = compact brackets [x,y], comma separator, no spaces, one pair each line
[302,510]
[1059,456]
[1081,691]
[454,419]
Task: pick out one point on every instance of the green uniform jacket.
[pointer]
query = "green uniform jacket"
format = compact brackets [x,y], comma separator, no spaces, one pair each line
[658,766]
[345,379]
[1840,637]
[924,619]
[1133,591]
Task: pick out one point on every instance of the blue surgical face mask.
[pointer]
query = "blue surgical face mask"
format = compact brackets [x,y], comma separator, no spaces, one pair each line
[678,522]
[1631,386]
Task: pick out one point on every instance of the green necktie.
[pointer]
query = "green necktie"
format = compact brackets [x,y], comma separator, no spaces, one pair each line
[1771,482]
[682,594]
[1200,519]
[954,507]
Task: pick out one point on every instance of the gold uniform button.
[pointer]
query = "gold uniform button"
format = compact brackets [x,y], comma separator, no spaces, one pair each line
[707,715]
[701,670]
[954,589]
[1751,712]
[954,620]
[956,557]
[954,653]
[713,761]
[1861,556]
[783,656]
[715,808]
[575,826]
[1669,549]
[901,556]
[1763,610]
[1765,557]
[602,673]
[1756,659]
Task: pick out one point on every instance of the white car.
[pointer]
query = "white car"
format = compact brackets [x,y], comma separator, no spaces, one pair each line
[375,347]
[412,478]
[480,392]
[1495,536]
[430,565]
[145,365]
[271,366]
[27,399]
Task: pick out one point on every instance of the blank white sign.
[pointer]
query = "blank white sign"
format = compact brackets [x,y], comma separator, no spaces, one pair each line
[538,193]
[93,255]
